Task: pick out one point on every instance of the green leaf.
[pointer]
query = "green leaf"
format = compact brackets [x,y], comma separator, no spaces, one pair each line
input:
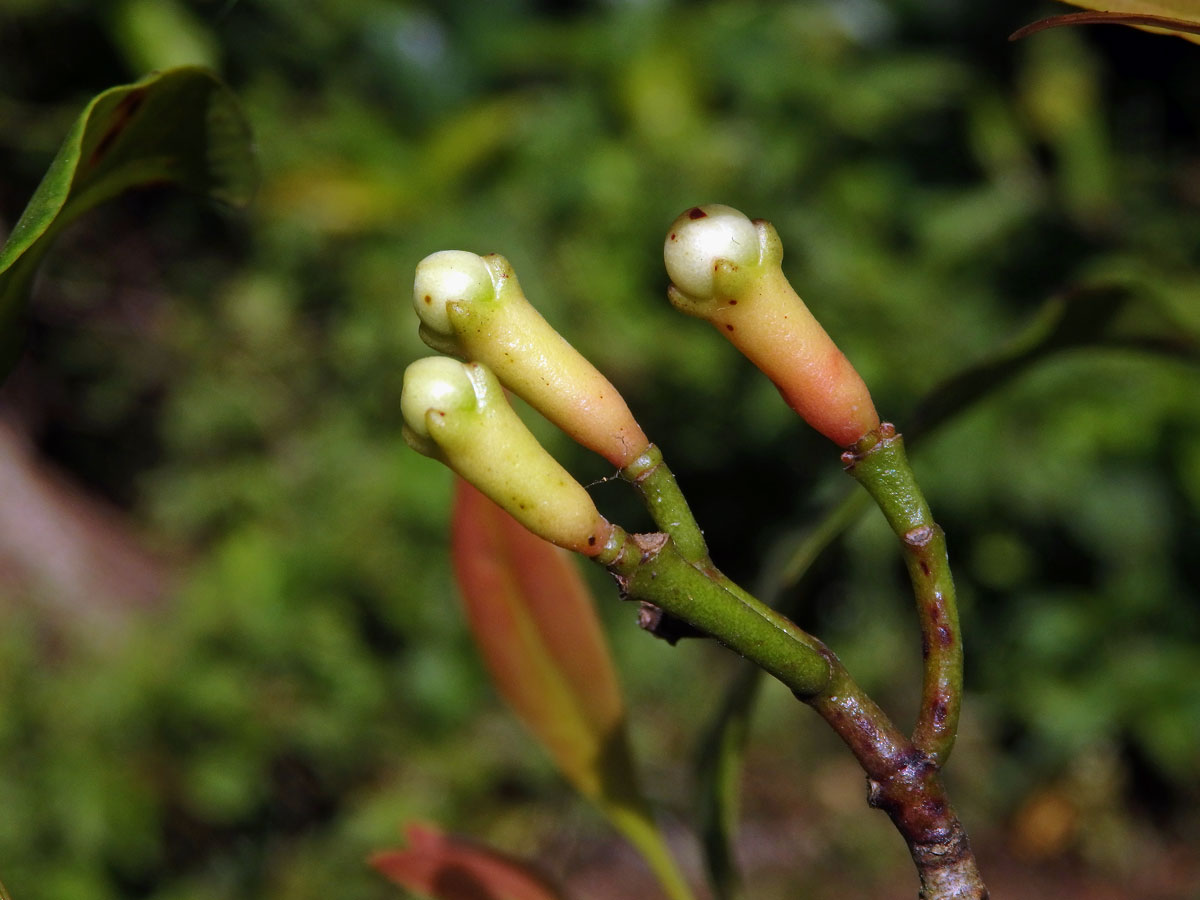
[718,782]
[1129,313]
[1177,17]
[453,868]
[534,623]
[1104,315]
[162,34]
[182,126]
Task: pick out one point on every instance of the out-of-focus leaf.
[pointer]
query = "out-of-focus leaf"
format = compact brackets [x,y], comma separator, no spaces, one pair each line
[162,34]
[439,865]
[1177,17]
[182,126]
[1112,315]
[718,783]
[1104,315]
[533,620]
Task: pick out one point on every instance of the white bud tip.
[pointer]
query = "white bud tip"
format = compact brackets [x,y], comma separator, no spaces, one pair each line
[700,237]
[449,276]
[435,383]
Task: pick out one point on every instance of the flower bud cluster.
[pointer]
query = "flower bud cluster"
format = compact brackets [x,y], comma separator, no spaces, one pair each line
[473,307]
[723,267]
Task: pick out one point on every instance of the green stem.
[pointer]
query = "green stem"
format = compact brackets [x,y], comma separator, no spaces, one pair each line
[879,464]
[639,829]
[672,570]
[649,568]
[666,504]
[669,509]
[795,562]
[718,777]
[903,779]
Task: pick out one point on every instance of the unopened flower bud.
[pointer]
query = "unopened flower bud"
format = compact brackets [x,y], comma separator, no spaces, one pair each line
[472,307]
[457,413]
[727,269]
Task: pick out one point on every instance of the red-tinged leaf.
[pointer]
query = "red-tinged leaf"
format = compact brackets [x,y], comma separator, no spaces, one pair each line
[453,868]
[1176,17]
[533,620]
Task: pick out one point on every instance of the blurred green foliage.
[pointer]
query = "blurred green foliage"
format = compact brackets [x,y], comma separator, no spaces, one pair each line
[233,382]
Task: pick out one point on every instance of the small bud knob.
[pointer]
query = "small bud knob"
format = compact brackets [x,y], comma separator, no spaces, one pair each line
[704,238]
[445,279]
[437,385]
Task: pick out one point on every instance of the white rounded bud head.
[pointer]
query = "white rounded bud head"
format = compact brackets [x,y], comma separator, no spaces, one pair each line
[702,236]
[449,276]
[435,383]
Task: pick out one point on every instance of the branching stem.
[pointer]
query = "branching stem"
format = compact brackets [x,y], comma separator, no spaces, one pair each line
[903,774]
[666,504]
[649,568]
[906,784]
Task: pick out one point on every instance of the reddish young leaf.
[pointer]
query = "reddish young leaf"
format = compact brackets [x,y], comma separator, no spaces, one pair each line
[453,868]
[533,620]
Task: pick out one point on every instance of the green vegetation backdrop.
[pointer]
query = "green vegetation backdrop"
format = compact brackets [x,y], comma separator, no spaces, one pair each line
[230,384]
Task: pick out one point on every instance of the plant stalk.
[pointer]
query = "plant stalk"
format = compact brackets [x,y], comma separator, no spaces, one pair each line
[903,774]
[879,464]
[903,780]
[654,481]
[666,504]
[904,783]
[649,568]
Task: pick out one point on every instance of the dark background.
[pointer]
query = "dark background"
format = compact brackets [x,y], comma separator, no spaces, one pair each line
[231,658]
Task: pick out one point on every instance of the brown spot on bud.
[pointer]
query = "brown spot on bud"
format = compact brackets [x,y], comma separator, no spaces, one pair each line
[671,236]
[697,213]
[591,540]
[733,303]
[729,328]
[428,299]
